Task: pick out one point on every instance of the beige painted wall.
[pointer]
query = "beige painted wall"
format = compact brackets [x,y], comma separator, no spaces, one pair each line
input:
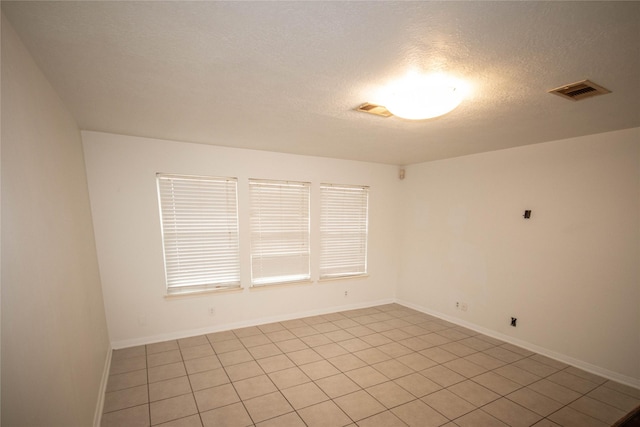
[570,274]
[54,334]
[122,184]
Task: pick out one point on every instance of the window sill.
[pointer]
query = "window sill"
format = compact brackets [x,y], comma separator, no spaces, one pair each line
[333,279]
[204,291]
[280,285]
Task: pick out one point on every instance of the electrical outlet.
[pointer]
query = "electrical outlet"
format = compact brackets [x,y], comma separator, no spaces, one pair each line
[212,311]
[457,305]
[346,293]
[513,321]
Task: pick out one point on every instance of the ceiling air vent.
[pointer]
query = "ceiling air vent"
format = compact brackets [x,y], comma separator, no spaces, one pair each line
[579,90]
[378,110]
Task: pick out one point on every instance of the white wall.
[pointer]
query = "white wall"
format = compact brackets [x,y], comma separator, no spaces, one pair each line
[121,172]
[54,335]
[570,274]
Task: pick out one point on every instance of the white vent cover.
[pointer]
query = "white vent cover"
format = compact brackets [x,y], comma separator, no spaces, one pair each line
[579,90]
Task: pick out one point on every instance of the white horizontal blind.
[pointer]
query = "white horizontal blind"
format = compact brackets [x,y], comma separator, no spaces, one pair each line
[279,231]
[343,230]
[199,217]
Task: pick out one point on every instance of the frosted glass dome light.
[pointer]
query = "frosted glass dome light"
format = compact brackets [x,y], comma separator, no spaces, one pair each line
[420,96]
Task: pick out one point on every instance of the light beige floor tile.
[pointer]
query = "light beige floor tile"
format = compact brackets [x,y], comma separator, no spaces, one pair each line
[479,418]
[417,385]
[397,334]
[516,374]
[438,355]
[234,357]
[448,404]
[304,395]
[418,413]
[319,369]
[304,331]
[516,349]
[215,397]
[164,358]
[289,377]
[190,421]
[484,360]
[293,345]
[330,350]
[416,361]
[169,388]
[282,335]
[271,327]
[503,354]
[555,391]
[568,417]
[208,379]
[127,380]
[197,351]
[546,423]
[326,327]
[227,346]
[337,385]
[614,398]
[359,405]
[390,394]
[535,367]
[255,340]
[127,353]
[598,410]
[267,406]
[458,349]
[572,382]
[345,323]
[442,375]
[465,368]
[474,393]
[372,355]
[548,361]
[122,366]
[221,336]
[497,383]
[535,401]
[625,389]
[193,341]
[395,350]
[294,323]
[366,376]
[275,363]
[244,370]
[165,372]
[234,415]
[138,416]
[325,414]
[302,357]
[127,398]
[476,343]
[338,335]
[360,331]
[247,332]
[347,362]
[417,343]
[172,409]
[511,413]
[354,344]
[392,369]
[383,419]
[291,419]
[254,387]
[316,340]
[376,339]
[202,364]
[162,346]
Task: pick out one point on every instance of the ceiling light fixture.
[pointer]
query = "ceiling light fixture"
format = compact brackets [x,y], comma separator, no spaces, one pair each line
[424,96]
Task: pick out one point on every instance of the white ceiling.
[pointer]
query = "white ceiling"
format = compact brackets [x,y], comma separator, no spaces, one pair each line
[285,76]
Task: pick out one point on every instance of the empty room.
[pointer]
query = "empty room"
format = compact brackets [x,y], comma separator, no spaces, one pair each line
[322,213]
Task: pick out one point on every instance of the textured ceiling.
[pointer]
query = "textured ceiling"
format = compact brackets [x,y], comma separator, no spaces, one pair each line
[285,76]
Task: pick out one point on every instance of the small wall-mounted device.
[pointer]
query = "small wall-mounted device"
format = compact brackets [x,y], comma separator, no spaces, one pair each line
[513,321]
[527,214]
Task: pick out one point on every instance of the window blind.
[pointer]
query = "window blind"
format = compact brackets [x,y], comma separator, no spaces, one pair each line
[199,218]
[343,230]
[279,231]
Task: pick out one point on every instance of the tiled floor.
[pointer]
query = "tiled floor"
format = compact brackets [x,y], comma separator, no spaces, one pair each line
[383,366]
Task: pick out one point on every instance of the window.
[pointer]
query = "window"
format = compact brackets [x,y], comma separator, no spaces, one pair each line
[199,218]
[279,231]
[343,230]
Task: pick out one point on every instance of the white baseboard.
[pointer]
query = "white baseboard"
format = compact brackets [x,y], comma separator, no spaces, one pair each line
[605,373]
[243,324]
[97,417]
